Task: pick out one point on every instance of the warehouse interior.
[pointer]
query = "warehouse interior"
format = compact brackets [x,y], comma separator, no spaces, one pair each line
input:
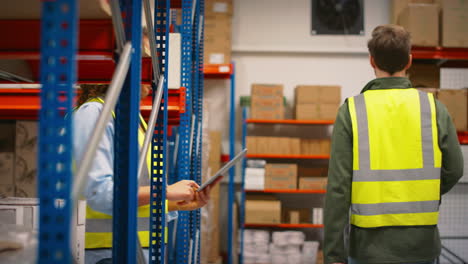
[222,76]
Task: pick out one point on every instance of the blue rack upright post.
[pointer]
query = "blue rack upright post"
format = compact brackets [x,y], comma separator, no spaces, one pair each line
[232,171]
[126,144]
[242,202]
[159,153]
[197,104]
[183,162]
[58,75]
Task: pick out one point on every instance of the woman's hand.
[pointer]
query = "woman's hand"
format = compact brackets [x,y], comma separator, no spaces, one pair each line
[201,199]
[182,191]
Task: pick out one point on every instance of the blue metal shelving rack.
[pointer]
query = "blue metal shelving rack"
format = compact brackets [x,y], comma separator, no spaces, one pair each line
[58,75]
[197,108]
[60,42]
[127,121]
[184,160]
[158,232]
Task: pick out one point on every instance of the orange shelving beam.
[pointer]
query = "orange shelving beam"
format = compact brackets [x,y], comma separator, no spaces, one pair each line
[218,71]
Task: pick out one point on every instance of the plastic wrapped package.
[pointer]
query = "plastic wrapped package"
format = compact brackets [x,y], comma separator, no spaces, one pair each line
[309,252]
[17,244]
[288,238]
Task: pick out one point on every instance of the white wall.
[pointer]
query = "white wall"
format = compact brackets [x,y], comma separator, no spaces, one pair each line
[272,43]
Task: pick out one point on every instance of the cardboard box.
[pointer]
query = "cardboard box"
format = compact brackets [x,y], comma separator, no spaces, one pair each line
[267,90]
[294,217]
[295,146]
[215,147]
[325,146]
[399,5]
[315,146]
[267,113]
[251,144]
[261,101]
[306,112]
[218,7]
[328,111]
[217,40]
[306,94]
[456,103]
[422,21]
[281,176]
[316,111]
[217,55]
[312,183]
[304,214]
[424,75]
[454,21]
[262,212]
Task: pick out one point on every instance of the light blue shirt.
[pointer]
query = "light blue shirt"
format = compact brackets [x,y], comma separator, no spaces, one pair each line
[100,185]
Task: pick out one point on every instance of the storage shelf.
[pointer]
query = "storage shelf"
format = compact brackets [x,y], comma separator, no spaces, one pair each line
[285,191]
[25,104]
[439,53]
[290,122]
[279,156]
[284,225]
[218,71]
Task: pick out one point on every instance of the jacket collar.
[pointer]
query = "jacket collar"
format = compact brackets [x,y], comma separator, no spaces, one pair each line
[387,83]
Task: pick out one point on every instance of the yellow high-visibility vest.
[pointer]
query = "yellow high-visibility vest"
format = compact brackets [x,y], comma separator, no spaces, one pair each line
[396,159]
[98,232]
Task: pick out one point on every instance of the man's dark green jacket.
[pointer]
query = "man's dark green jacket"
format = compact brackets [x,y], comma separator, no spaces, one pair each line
[385,244]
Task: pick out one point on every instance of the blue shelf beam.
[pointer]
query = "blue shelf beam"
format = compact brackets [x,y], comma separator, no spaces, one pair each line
[59,27]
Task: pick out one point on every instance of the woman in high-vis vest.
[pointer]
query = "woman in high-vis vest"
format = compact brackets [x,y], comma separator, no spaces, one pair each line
[394,152]
[99,187]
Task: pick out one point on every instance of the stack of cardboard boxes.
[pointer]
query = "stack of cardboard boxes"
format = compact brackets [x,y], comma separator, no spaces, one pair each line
[281,176]
[315,146]
[262,209]
[457,104]
[274,145]
[267,101]
[317,102]
[433,22]
[218,19]
[313,178]
[456,101]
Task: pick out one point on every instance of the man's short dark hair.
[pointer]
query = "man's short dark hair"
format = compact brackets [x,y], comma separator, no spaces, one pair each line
[390,46]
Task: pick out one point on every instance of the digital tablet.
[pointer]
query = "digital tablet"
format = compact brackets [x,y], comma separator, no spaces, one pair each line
[219,174]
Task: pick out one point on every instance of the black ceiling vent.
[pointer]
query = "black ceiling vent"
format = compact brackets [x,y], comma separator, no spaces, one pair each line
[337,17]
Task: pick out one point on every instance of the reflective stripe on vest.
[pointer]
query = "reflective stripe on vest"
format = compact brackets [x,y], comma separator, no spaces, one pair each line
[98,233]
[396,159]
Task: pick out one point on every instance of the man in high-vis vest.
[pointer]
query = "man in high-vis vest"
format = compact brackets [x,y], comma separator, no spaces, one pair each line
[181,196]
[394,153]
